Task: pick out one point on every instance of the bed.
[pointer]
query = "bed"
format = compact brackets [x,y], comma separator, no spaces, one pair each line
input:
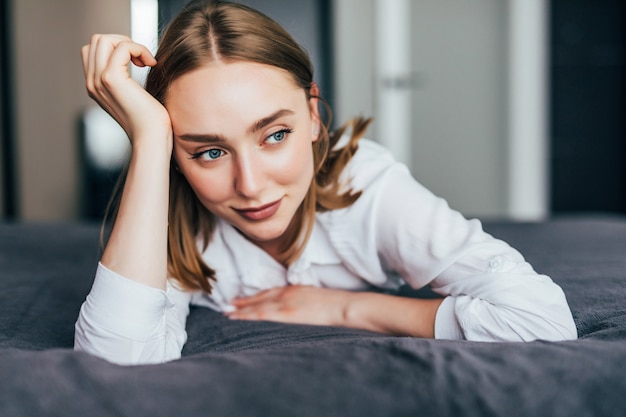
[232,368]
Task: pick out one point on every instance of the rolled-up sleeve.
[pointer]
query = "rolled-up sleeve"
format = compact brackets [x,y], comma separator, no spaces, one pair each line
[126,322]
[507,306]
[491,292]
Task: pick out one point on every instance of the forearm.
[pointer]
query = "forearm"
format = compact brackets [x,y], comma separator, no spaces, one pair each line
[137,247]
[400,316]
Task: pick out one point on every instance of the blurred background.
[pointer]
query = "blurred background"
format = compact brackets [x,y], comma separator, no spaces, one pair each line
[509,109]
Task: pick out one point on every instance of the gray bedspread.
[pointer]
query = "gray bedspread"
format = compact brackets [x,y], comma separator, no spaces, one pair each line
[239,369]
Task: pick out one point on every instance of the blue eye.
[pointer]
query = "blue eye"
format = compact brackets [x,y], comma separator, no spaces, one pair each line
[213,153]
[279,136]
[208,155]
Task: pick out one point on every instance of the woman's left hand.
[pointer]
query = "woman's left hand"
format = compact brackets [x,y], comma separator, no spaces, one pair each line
[382,313]
[294,304]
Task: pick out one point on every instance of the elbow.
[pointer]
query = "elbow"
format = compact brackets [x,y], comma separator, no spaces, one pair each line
[557,327]
[551,318]
[547,329]
[122,351]
[484,321]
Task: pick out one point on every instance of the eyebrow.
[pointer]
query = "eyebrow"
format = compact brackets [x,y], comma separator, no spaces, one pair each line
[256,126]
[260,124]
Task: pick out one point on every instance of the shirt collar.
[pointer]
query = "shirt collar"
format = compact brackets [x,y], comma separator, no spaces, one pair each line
[236,258]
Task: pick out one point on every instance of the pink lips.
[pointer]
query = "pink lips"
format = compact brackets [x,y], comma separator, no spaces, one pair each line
[260,213]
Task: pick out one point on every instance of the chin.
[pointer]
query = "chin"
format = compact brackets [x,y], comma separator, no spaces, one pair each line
[264,236]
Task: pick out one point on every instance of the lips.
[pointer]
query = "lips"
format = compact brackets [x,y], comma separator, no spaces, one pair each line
[260,213]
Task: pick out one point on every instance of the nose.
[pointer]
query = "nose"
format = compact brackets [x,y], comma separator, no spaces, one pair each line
[248,176]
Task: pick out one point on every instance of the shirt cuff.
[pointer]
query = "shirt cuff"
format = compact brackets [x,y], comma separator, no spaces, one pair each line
[125,307]
[446,323]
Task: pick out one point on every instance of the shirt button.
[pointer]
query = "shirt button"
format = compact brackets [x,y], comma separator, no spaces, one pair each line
[495,264]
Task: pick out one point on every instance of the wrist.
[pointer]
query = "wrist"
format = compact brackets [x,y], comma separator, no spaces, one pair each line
[390,314]
[155,144]
[356,311]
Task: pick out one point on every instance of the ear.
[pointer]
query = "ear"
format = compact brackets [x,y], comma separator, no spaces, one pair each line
[315,111]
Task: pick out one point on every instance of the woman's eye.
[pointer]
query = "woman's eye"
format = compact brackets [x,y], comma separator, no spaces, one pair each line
[212,154]
[208,155]
[278,136]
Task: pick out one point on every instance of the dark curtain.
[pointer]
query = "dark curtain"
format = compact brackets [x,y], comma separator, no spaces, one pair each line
[588,106]
[7,173]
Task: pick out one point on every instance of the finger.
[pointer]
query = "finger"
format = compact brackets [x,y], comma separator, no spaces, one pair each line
[103,47]
[267,313]
[101,56]
[261,296]
[140,55]
[145,59]
[122,55]
[130,51]
[246,313]
[262,311]
[91,61]
[84,56]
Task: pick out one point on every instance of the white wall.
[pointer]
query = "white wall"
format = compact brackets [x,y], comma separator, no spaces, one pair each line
[529,148]
[460,148]
[460,58]
[354,59]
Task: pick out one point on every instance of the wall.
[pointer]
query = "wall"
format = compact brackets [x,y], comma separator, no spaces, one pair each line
[460,147]
[460,104]
[354,59]
[460,101]
[50,96]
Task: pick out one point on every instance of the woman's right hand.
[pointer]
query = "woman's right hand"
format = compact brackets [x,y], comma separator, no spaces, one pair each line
[137,246]
[109,83]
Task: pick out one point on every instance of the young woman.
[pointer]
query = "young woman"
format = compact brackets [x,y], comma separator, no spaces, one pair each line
[239,199]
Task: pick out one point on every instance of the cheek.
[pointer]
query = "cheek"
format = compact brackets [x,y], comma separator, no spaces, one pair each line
[296,166]
[210,187]
[204,184]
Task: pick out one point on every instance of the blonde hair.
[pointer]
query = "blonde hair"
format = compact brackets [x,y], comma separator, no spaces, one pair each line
[218,30]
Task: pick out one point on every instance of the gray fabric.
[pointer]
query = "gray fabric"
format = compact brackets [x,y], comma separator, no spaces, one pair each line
[232,368]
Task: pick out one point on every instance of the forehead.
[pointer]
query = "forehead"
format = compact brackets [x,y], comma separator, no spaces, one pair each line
[234,92]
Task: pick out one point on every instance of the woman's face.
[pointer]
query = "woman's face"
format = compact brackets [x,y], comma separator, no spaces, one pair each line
[242,139]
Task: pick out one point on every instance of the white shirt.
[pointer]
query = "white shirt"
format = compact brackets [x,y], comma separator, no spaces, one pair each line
[396,232]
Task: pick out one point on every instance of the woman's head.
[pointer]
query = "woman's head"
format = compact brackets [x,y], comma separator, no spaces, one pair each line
[213,31]
[237,67]
[243,134]
[249,146]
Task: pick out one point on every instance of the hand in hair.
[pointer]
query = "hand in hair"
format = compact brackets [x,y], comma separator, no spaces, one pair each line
[137,247]
[105,62]
[376,312]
